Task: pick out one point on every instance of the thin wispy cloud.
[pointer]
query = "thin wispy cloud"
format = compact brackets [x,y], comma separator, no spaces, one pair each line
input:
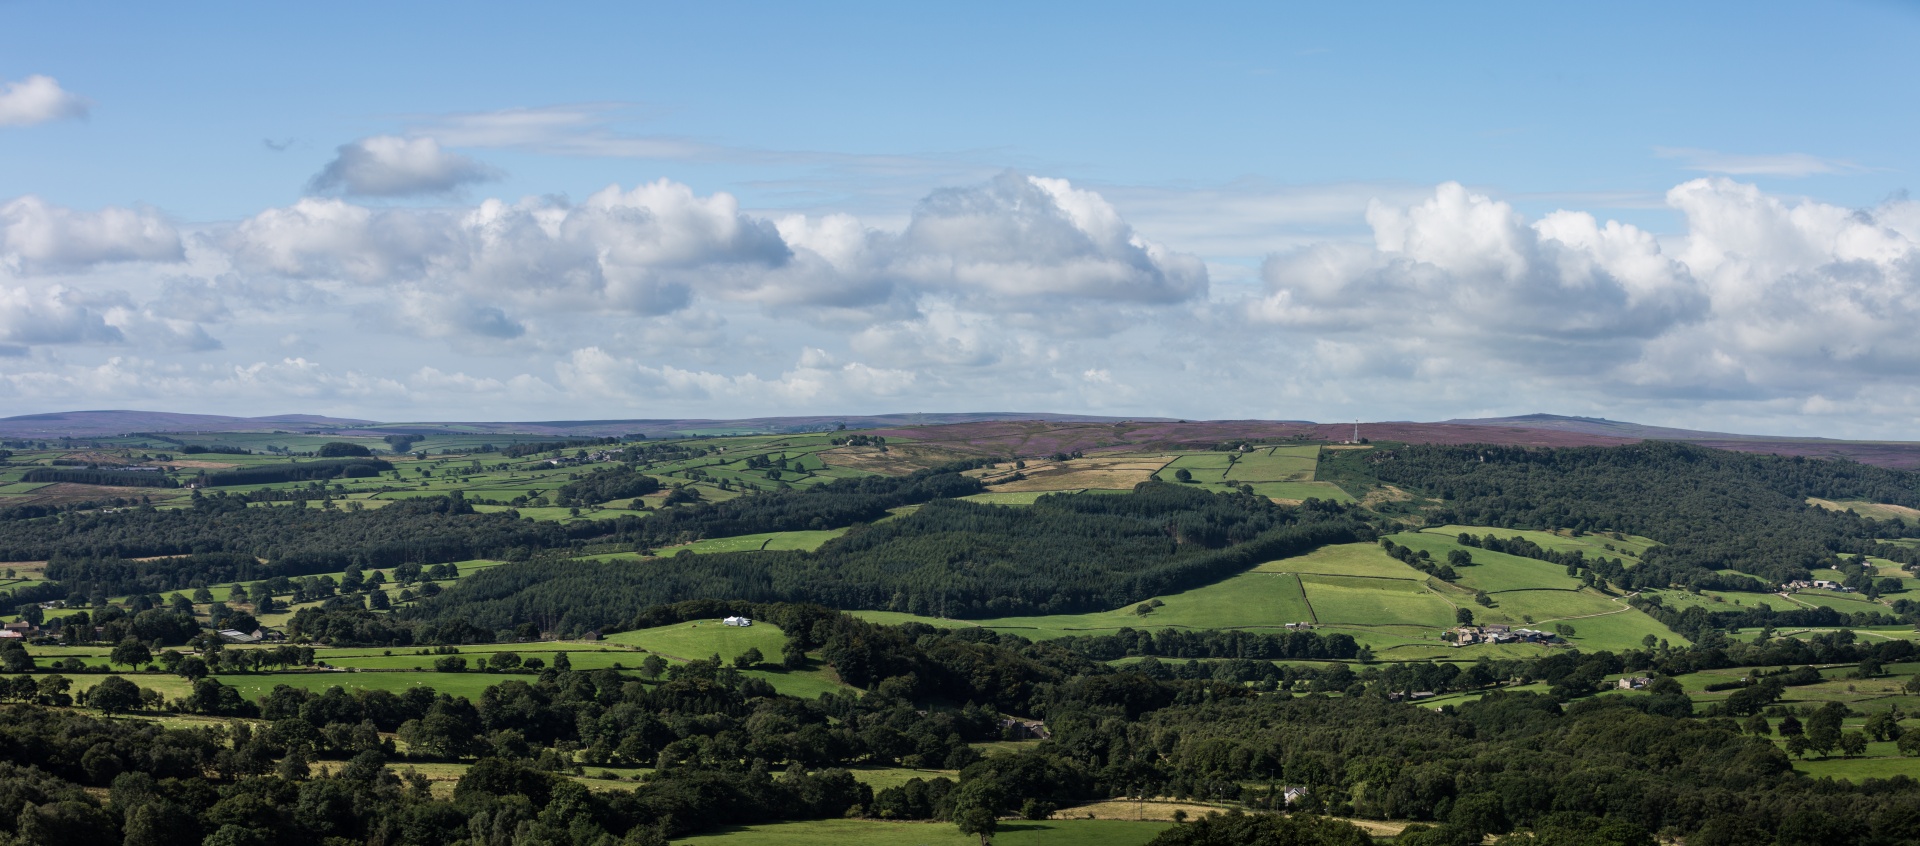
[1763,164]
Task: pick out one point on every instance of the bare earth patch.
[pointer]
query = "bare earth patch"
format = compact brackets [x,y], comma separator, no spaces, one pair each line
[1385,494]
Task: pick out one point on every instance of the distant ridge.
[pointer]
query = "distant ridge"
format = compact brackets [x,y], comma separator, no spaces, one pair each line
[999,432]
[96,424]
[1613,428]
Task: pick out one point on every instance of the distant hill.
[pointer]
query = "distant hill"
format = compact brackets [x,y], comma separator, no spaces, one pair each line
[96,424]
[1613,428]
[999,432]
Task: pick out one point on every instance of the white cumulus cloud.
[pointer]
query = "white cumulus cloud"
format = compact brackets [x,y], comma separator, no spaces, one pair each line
[37,236]
[38,99]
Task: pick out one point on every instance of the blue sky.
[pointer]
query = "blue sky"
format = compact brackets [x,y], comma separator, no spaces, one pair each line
[257,208]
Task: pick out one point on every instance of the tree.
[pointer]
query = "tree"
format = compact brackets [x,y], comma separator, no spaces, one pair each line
[1822,737]
[976,808]
[1797,745]
[653,666]
[114,695]
[793,656]
[130,653]
[1909,744]
[14,657]
[1463,616]
[749,659]
[1182,475]
[1853,744]
[294,766]
[1884,726]
[192,668]
[1758,726]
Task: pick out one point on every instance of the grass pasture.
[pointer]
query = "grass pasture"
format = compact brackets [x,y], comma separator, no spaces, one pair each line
[1347,559]
[1277,464]
[1299,491]
[1491,571]
[763,542]
[1014,497]
[699,639]
[1347,601]
[1628,548]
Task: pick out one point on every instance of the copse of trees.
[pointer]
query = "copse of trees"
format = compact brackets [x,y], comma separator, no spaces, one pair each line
[119,478]
[537,447]
[342,449]
[303,471]
[618,482]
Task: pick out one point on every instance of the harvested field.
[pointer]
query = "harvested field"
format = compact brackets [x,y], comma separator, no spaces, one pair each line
[1110,474]
[1876,510]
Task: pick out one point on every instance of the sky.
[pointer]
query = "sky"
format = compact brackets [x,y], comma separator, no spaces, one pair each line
[1677,214]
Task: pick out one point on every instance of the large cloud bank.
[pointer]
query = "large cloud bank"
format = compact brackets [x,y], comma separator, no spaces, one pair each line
[1020,292]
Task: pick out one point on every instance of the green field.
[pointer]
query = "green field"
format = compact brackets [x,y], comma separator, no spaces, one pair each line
[699,639]
[1277,464]
[1347,559]
[1014,497]
[1349,601]
[1299,490]
[765,541]
[880,833]
[1628,548]
[1491,571]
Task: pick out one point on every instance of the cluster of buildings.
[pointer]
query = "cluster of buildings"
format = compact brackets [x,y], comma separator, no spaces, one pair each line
[1468,635]
[592,457]
[1816,584]
[255,636]
[19,630]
